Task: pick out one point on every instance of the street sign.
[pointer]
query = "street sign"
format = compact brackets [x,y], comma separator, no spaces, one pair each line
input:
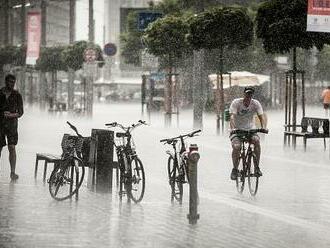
[318,16]
[145,18]
[90,55]
[110,49]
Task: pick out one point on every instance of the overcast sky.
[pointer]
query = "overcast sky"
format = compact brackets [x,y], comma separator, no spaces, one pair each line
[82,20]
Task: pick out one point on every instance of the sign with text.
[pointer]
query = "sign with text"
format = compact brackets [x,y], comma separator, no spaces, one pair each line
[318,17]
[145,18]
[33,37]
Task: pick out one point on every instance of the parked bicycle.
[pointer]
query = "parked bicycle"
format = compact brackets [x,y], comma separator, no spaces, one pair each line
[248,166]
[68,175]
[177,167]
[132,177]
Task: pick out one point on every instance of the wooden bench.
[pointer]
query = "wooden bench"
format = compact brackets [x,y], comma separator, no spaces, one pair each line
[310,128]
[47,158]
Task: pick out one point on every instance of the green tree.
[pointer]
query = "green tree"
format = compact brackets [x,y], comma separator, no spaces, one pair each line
[166,39]
[131,44]
[51,60]
[281,25]
[221,28]
[73,55]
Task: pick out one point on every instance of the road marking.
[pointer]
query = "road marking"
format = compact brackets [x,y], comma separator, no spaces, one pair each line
[220,198]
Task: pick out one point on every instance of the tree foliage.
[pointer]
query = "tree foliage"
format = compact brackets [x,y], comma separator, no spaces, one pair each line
[131,44]
[281,24]
[221,27]
[73,55]
[51,60]
[167,37]
[13,55]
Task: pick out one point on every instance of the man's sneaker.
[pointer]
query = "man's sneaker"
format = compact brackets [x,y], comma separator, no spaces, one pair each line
[233,175]
[13,176]
[258,172]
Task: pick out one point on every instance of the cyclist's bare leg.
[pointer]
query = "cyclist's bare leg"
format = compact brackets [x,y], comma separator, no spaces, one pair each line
[236,145]
[255,140]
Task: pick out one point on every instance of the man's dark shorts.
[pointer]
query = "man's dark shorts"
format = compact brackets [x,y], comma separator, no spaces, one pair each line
[326,105]
[8,134]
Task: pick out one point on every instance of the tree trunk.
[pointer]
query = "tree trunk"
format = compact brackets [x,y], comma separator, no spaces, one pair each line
[294,88]
[71,76]
[198,90]
[43,89]
[168,96]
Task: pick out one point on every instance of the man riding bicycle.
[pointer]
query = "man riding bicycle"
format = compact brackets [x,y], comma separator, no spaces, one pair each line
[242,111]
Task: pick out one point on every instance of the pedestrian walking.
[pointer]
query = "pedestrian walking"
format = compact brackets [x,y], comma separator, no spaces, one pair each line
[326,100]
[11,108]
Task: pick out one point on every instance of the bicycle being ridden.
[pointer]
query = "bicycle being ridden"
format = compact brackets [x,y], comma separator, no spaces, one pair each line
[68,174]
[132,177]
[248,164]
[177,167]
[242,111]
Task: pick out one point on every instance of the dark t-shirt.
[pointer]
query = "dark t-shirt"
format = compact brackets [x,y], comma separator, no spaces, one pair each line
[13,104]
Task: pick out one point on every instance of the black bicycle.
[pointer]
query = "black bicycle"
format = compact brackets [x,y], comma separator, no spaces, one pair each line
[132,177]
[248,164]
[68,174]
[177,168]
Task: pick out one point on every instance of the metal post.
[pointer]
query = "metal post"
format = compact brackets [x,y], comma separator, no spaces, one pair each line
[303,92]
[23,22]
[6,13]
[91,21]
[72,24]
[193,159]
[217,102]
[143,93]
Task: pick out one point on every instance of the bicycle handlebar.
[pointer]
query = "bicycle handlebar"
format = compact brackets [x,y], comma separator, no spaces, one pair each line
[129,128]
[74,129]
[170,140]
[249,131]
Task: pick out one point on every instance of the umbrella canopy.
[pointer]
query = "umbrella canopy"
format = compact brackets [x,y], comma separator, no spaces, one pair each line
[239,78]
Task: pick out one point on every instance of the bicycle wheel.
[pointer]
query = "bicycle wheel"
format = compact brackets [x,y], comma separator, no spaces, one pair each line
[136,180]
[240,180]
[174,180]
[66,178]
[253,178]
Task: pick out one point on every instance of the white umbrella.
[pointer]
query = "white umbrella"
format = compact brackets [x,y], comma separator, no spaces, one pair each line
[239,78]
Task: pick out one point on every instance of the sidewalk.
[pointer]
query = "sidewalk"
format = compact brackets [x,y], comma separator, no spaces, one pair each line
[292,208]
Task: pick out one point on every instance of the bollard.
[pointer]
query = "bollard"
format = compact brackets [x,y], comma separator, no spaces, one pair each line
[193,158]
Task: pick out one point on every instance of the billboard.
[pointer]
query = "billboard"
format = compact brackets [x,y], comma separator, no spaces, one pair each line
[33,37]
[145,18]
[318,16]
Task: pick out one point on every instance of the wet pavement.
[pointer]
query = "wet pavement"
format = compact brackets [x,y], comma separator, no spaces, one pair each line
[291,209]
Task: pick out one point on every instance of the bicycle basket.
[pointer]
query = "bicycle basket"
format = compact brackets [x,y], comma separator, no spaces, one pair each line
[68,143]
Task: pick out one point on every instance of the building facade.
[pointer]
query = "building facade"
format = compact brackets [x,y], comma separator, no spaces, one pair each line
[56,18]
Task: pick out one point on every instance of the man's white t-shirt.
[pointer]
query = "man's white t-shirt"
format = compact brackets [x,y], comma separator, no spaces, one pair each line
[245,115]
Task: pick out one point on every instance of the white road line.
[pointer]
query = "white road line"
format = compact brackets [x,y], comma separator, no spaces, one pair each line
[220,198]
